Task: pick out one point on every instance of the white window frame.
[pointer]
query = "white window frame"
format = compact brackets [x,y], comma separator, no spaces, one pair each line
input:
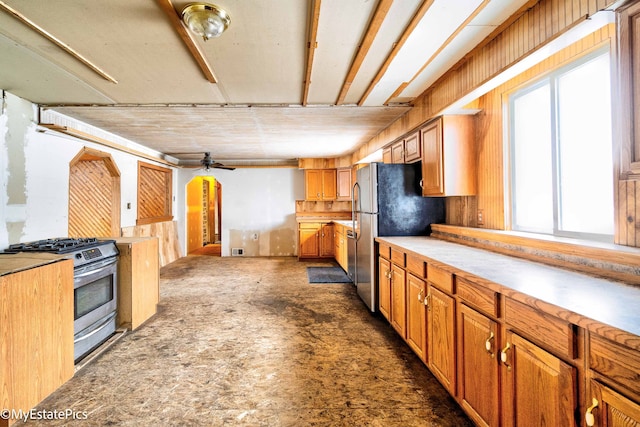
[551,79]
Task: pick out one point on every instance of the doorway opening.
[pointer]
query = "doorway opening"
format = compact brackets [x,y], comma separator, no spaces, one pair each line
[204,216]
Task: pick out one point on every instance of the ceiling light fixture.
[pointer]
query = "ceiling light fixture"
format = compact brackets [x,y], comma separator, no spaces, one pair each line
[206,20]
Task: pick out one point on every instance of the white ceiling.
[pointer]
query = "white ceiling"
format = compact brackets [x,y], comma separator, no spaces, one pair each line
[255,110]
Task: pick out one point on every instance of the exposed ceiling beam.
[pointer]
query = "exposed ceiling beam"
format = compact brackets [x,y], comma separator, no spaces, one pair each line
[101,141]
[312,44]
[62,45]
[426,4]
[461,27]
[188,39]
[372,31]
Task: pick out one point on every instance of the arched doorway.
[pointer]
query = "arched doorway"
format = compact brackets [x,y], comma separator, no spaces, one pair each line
[204,216]
[94,195]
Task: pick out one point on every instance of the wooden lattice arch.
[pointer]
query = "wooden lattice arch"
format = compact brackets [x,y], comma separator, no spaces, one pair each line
[94,195]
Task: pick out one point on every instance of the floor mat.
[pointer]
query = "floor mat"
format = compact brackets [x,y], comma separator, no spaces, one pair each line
[327,275]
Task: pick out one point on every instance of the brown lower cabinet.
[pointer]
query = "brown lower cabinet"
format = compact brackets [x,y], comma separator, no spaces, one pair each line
[315,240]
[538,388]
[441,325]
[507,362]
[36,334]
[609,408]
[384,287]
[478,367]
[416,315]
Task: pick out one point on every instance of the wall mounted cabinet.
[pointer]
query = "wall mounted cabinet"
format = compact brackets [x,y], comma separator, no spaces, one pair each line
[448,157]
[320,184]
[343,187]
[412,148]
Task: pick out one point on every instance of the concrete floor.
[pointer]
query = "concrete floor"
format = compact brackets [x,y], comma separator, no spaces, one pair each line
[248,341]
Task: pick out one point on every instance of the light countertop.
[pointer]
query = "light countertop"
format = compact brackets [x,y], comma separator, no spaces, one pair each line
[13,263]
[612,303]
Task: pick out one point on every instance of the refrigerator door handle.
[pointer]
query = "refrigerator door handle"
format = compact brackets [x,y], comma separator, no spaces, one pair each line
[355,210]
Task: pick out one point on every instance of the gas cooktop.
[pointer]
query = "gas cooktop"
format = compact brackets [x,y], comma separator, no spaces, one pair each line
[60,245]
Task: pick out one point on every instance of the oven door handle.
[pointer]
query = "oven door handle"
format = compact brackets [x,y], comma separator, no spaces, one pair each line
[95,331]
[95,271]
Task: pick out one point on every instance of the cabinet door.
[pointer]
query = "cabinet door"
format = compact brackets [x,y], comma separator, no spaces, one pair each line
[387,158]
[326,241]
[397,152]
[412,149]
[309,241]
[539,389]
[432,160]
[416,315]
[441,337]
[398,300]
[384,287]
[611,408]
[329,189]
[343,184]
[478,366]
[313,184]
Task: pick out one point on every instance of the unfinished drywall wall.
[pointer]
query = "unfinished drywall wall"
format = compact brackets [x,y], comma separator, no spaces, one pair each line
[34,175]
[258,209]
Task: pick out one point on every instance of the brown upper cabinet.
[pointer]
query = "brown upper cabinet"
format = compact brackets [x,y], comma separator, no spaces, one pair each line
[320,184]
[343,184]
[412,148]
[397,152]
[448,157]
[407,150]
[387,158]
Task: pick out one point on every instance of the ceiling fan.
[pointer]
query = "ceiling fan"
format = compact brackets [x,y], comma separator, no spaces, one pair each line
[208,163]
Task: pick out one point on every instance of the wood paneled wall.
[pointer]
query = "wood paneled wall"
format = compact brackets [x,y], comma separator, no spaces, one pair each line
[628,221]
[167,234]
[154,193]
[534,28]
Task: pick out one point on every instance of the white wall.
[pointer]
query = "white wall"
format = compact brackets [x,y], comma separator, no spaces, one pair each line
[34,176]
[255,201]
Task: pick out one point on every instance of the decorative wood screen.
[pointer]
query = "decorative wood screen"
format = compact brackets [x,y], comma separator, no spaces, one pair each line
[94,195]
[154,193]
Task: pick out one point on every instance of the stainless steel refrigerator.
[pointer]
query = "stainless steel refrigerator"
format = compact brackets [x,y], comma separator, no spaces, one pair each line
[387,201]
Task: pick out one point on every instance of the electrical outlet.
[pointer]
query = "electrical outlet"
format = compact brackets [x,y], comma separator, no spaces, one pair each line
[480,217]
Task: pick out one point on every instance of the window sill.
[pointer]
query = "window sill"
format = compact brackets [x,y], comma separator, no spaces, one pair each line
[602,259]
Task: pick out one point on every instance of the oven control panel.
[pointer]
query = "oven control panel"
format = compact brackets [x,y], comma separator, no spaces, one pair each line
[90,254]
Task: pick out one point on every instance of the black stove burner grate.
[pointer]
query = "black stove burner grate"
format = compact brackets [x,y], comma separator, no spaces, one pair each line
[57,245]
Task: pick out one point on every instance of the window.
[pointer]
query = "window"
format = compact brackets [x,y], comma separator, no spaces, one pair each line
[561,152]
[154,194]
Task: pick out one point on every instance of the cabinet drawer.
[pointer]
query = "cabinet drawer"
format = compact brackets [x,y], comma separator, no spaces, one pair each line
[398,257]
[440,278]
[417,266]
[481,298]
[384,250]
[309,225]
[617,362]
[548,331]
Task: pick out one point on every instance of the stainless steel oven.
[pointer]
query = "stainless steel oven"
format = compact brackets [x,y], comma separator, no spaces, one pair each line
[95,283]
[95,303]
